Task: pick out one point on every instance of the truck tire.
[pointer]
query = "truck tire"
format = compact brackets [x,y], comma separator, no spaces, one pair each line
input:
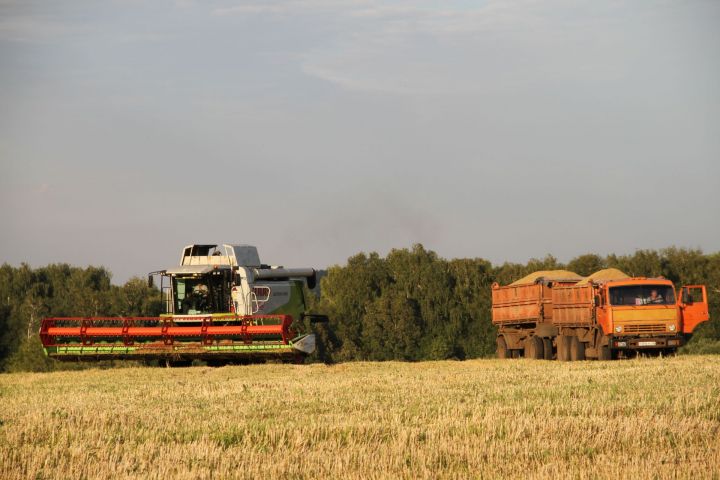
[604,353]
[547,349]
[577,349]
[534,348]
[563,348]
[502,350]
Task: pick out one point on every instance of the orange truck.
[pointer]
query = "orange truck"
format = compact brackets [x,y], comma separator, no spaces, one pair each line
[561,315]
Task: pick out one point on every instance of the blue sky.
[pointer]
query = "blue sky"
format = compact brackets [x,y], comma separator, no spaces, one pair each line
[316,129]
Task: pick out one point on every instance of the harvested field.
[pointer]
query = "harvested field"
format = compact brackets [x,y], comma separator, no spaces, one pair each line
[643,418]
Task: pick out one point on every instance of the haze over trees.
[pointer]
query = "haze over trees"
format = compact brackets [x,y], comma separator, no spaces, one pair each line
[409,305]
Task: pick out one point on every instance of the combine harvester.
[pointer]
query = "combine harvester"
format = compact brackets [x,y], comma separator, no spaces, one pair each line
[559,314]
[222,305]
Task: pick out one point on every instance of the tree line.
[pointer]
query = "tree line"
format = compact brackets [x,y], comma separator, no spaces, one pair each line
[409,305]
[27,295]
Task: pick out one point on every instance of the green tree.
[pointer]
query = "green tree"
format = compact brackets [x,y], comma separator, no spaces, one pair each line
[587,264]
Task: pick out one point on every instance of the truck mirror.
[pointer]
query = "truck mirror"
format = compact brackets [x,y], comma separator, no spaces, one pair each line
[151,282]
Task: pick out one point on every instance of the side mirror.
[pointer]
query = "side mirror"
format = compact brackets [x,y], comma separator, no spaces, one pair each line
[315,318]
[151,281]
[312,281]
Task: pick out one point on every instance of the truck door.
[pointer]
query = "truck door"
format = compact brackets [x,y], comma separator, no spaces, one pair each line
[694,306]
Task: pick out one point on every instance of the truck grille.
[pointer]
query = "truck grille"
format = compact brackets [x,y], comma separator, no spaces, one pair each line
[656,328]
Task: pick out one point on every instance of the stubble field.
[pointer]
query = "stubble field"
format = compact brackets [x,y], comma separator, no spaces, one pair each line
[643,418]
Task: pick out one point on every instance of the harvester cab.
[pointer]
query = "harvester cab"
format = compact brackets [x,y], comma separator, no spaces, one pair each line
[221,303]
[216,279]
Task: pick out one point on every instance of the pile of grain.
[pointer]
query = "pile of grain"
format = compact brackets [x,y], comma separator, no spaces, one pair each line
[549,275]
[604,275]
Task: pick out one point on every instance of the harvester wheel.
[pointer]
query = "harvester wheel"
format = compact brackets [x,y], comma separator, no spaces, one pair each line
[502,350]
[547,349]
[216,363]
[178,363]
[577,349]
[534,348]
[563,348]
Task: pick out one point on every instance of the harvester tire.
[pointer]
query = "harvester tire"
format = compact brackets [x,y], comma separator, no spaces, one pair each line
[563,348]
[534,348]
[177,363]
[577,349]
[547,349]
[216,363]
[502,350]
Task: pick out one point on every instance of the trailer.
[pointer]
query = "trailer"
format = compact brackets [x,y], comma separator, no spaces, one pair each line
[602,317]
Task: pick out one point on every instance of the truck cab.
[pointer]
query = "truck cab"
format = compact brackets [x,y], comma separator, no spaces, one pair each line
[641,313]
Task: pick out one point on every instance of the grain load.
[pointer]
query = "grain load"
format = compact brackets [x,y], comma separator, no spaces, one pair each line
[604,275]
[549,275]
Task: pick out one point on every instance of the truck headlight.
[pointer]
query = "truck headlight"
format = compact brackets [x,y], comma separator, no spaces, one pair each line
[618,329]
[671,327]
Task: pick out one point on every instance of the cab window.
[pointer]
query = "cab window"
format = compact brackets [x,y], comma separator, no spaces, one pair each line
[642,295]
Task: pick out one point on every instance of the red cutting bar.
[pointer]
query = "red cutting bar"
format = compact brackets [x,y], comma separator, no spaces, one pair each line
[158,331]
[86,328]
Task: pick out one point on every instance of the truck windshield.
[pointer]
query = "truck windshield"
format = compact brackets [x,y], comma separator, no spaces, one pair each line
[642,295]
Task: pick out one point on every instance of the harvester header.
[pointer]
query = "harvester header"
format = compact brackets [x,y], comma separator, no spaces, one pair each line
[221,304]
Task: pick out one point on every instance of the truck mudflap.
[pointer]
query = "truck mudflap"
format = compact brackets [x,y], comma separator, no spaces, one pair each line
[639,343]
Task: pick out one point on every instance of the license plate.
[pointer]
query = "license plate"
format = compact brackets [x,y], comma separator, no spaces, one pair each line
[647,344]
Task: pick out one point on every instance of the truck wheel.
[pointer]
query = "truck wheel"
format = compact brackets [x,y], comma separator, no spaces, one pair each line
[534,348]
[563,348]
[577,349]
[547,349]
[604,353]
[502,350]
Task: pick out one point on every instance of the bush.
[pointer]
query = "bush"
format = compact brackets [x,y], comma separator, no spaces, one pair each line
[701,346]
[30,357]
